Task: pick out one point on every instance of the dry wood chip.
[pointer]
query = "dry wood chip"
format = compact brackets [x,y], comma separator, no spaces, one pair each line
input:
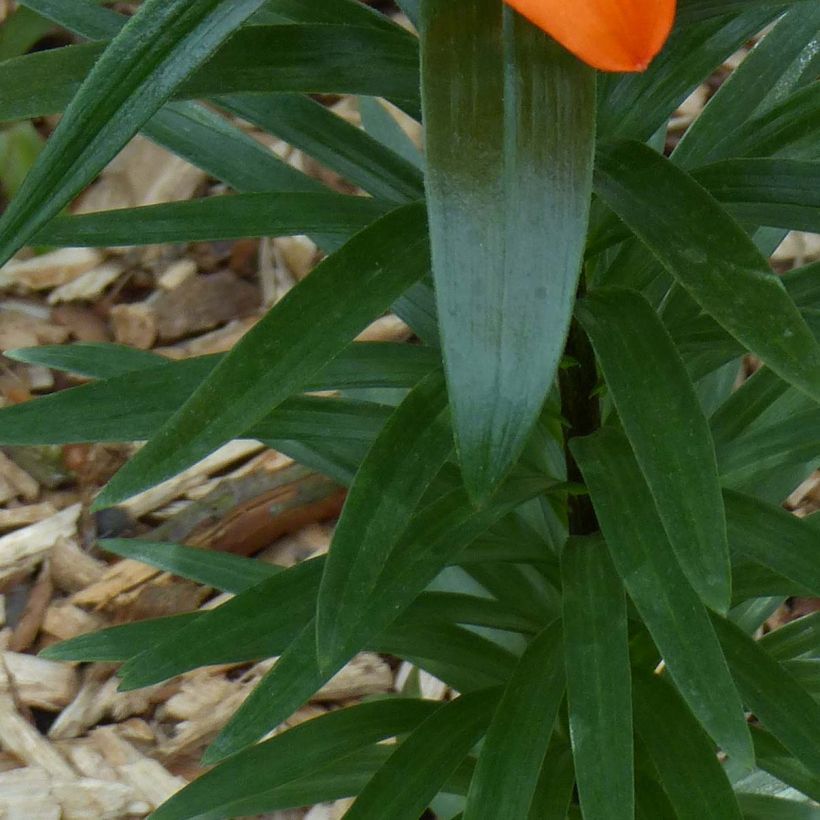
[64,620]
[12,517]
[176,274]
[34,611]
[20,738]
[196,304]
[50,269]
[72,568]
[24,485]
[141,174]
[366,674]
[41,683]
[217,341]
[386,329]
[148,777]
[87,286]
[118,578]
[219,460]
[25,794]
[22,549]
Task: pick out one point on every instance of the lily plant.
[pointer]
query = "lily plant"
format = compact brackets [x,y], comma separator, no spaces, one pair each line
[563,501]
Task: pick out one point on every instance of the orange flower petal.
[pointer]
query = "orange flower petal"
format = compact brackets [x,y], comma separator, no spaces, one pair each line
[613,35]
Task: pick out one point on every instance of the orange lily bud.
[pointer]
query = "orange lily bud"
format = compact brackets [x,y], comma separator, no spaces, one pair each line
[613,35]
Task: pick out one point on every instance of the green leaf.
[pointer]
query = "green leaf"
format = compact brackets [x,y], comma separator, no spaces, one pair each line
[155,52]
[413,446]
[598,680]
[226,572]
[668,605]
[119,643]
[780,193]
[765,807]
[510,130]
[555,783]
[93,359]
[133,406]
[382,125]
[327,309]
[780,62]
[516,743]
[351,152]
[416,771]
[668,433]
[222,217]
[774,758]
[285,58]
[682,752]
[20,145]
[711,257]
[800,637]
[776,699]
[20,31]
[434,538]
[774,538]
[635,106]
[294,754]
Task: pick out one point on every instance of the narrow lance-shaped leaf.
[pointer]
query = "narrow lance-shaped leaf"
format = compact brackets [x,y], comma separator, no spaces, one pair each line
[154,53]
[293,754]
[668,431]
[514,748]
[599,693]
[685,758]
[666,602]
[401,465]
[775,697]
[510,129]
[415,772]
[711,257]
[223,217]
[328,308]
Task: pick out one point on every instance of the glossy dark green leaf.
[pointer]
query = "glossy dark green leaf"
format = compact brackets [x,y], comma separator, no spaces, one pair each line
[351,152]
[711,257]
[223,570]
[682,752]
[598,680]
[510,128]
[792,640]
[223,217]
[670,608]
[133,406]
[327,309]
[668,432]
[434,539]
[797,441]
[553,792]
[284,58]
[784,59]
[773,537]
[383,126]
[772,694]
[514,748]
[294,754]
[780,193]
[766,807]
[93,359]
[773,757]
[119,643]
[416,771]
[161,46]
[635,106]
[404,460]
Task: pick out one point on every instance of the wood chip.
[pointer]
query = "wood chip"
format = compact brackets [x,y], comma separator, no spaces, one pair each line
[31,620]
[72,568]
[22,549]
[50,269]
[196,304]
[88,286]
[63,620]
[176,274]
[24,485]
[41,683]
[12,517]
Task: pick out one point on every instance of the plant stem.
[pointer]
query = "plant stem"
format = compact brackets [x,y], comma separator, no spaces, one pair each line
[581,408]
